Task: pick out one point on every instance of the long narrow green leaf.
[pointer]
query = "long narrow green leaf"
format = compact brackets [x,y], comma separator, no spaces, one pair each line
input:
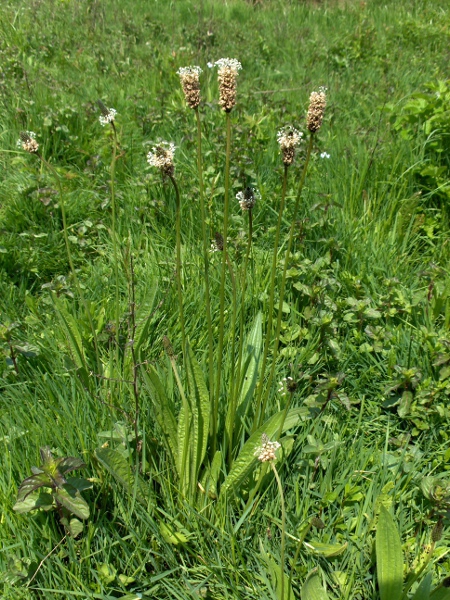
[164,409]
[246,461]
[143,327]
[201,410]
[389,557]
[312,589]
[118,465]
[251,358]
[440,593]
[74,340]
[424,589]
[249,377]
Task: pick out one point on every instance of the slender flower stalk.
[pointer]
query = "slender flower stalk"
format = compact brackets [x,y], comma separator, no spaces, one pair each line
[29,144]
[283,277]
[267,453]
[190,82]
[107,118]
[222,281]
[288,138]
[205,258]
[314,119]
[247,201]
[161,157]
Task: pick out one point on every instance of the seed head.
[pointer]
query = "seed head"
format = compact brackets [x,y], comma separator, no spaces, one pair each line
[266,452]
[288,137]
[287,386]
[190,83]
[247,198]
[28,142]
[436,534]
[317,104]
[161,157]
[227,75]
[217,243]
[108,114]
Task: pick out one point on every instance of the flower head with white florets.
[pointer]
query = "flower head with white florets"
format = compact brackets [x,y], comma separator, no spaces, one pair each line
[316,110]
[266,452]
[247,199]
[228,69]
[287,386]
[161,157]
[27,141]
[190,82]
[289,138]
[108,115]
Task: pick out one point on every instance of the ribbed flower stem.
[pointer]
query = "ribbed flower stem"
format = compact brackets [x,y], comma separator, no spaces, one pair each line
[273,272]
[215,414]
[69,257]
[283,525]
[114,239]
[178,260]
[205,258]
[283,279]
[237,379]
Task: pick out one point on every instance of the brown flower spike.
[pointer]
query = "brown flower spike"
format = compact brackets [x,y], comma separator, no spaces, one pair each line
[317,104]
[288,137]
[227,75]
[190,83]
[161,157]
[27,142]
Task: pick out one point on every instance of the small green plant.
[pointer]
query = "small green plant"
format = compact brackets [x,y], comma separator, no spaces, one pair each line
[64,495]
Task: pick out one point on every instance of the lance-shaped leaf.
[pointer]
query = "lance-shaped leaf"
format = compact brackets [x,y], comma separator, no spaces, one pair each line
[201,408]
[164,409]
[424,589]
[312,589]
[389,557]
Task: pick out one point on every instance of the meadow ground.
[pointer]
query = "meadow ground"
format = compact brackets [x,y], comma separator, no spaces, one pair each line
[321,321]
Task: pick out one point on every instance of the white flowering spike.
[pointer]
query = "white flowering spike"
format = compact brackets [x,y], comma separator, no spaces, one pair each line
[266,452]
[288,137]
[247,199]
[161,157]
[108,117]
[27,141]
[287,386]
[190,83]
[228,69]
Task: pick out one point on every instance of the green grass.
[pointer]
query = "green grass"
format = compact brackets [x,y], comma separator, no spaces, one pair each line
[366,302]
